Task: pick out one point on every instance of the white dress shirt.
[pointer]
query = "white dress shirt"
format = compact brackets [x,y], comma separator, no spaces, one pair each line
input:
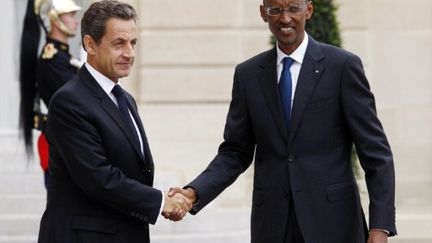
[298,56]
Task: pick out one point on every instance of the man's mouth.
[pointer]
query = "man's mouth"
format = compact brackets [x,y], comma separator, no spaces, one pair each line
[286,30]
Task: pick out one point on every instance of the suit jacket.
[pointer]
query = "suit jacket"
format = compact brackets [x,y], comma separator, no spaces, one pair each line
[308,163]
[100,189]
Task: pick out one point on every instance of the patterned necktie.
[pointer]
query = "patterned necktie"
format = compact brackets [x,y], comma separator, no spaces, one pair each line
[124,110]
[285,89]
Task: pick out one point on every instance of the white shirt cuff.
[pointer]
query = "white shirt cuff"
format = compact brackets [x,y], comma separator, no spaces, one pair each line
[162,203]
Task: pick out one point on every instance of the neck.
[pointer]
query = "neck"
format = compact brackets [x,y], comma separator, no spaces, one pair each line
[93,64]
[58,36]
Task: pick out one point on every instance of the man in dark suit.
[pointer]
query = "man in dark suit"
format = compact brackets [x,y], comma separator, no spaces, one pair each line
[299,108]
[100,162]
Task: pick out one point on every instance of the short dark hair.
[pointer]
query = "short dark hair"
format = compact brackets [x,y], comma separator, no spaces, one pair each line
[93,22]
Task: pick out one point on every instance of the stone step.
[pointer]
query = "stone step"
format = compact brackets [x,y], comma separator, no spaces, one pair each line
[223,237]
[414,195]
[397,240]
[210,221]
[22,183]
[412,226]
[13,157]
[214,225]
[18,239]
[220,237]
[412,241]
[12,225]
[29,203]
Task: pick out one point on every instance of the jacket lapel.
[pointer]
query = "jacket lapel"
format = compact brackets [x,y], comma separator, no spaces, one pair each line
[310,73]
[109,107]
[269,87]
[114,112]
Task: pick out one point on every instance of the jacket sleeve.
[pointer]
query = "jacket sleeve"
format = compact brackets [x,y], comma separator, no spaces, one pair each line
[371,144]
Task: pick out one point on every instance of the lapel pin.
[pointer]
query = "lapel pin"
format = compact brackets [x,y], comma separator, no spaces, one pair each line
[317,71]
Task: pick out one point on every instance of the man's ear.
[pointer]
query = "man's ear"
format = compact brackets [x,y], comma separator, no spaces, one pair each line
[263,13]
[309,10]
[89,45]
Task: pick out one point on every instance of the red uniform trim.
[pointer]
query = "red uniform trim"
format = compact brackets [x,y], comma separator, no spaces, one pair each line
[43,152]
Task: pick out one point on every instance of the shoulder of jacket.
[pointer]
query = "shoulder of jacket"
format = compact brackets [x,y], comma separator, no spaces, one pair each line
[334,51]
[49,51]
[258,60]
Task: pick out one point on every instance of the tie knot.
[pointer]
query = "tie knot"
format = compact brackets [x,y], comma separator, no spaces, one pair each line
[288,61]
[117,91]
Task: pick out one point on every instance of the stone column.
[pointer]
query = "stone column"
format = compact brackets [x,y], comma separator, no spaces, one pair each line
[22,196]
[9,101]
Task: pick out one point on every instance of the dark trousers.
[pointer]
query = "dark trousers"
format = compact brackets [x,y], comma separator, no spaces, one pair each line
[293,233]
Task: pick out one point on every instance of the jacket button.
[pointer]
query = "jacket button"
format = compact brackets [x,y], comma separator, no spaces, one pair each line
[291,158]
[149,171]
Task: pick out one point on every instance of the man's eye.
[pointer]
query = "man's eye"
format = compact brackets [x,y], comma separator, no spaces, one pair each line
[294,9]
[274,11]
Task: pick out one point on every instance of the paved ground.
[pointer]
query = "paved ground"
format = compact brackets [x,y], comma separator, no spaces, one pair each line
[22,200]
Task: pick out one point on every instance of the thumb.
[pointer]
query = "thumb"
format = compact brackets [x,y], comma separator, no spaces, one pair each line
[173,190]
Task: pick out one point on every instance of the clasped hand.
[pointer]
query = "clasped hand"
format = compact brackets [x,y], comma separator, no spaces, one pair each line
[178,202]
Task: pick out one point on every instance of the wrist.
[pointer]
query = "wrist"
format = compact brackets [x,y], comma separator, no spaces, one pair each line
[379,231]
[192,194]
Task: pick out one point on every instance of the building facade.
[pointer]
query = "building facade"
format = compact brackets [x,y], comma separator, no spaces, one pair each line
[182,81]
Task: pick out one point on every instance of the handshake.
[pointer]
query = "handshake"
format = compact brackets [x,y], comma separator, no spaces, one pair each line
[178,202]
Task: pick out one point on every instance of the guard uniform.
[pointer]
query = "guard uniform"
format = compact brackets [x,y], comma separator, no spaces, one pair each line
[54,69]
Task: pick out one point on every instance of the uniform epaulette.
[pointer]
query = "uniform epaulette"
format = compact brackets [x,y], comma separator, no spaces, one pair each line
[49,51]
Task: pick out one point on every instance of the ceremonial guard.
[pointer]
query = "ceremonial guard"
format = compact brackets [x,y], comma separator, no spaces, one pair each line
[41,75]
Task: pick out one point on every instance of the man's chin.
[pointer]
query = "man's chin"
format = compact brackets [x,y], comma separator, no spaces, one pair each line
[123,73]
[287,41]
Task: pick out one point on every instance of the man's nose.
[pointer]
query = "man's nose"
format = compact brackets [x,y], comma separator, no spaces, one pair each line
[129,51]
[285,17]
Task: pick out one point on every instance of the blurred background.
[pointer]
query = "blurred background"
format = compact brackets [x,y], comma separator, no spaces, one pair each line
[182,81]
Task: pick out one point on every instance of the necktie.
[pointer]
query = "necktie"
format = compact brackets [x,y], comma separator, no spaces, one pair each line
[124,110]
[285,89]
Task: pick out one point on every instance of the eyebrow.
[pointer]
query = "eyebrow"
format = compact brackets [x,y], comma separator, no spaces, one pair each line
[123,40]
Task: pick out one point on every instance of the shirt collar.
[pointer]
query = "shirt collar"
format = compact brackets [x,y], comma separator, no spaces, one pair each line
[297,55]
[106,83]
